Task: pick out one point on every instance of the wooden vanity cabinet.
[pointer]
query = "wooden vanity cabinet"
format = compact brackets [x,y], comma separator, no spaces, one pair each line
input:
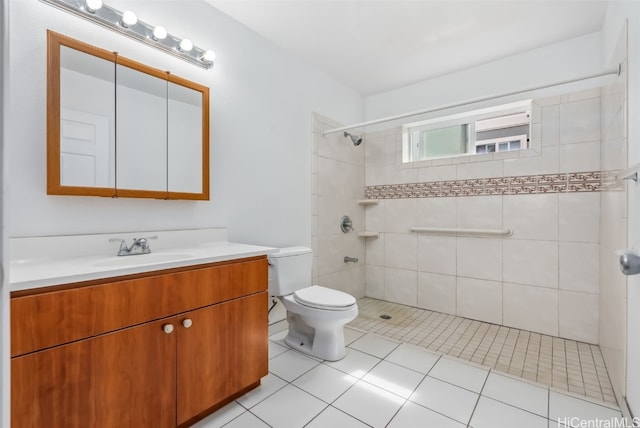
[164,372]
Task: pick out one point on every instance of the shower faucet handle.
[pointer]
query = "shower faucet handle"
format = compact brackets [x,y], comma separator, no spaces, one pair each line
[346,224]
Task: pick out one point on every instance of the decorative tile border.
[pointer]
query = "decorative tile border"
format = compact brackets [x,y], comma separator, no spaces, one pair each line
[592,181]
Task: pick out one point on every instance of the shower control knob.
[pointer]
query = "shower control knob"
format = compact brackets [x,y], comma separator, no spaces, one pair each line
[168,328]
[187,323]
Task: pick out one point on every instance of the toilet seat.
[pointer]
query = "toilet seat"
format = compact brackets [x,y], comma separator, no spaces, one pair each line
[324,298]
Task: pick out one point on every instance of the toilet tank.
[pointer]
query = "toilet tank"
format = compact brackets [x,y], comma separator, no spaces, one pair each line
[289,270]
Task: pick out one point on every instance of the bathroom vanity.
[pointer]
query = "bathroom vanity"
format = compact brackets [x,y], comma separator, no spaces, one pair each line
[161,345]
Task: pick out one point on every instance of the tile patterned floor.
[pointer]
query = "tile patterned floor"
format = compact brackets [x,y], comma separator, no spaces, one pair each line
[563,364]
[384,383]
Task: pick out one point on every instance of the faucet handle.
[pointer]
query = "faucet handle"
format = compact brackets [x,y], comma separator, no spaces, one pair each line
[123,245]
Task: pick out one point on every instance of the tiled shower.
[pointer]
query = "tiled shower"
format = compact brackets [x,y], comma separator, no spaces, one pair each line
[556,275]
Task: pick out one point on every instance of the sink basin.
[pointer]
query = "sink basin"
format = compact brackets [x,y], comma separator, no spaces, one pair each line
[141,259]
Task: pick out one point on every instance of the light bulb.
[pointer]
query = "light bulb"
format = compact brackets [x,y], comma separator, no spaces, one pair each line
[93,5]
[186,45]
[209,56]
[159,33]
[129,18]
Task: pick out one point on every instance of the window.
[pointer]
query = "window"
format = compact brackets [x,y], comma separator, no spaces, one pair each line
[497,129]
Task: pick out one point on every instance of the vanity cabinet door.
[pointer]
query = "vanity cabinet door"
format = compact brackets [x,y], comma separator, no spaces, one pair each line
[122,379]
[223,351]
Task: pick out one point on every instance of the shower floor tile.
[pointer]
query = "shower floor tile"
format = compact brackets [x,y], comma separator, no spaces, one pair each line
[565,365]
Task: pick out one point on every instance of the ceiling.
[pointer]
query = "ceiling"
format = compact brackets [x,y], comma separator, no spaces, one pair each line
[376,45]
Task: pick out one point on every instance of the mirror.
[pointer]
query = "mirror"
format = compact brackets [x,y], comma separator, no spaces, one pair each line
[120,128]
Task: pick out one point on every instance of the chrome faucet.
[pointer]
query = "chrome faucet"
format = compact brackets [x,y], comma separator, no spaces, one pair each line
[139,246]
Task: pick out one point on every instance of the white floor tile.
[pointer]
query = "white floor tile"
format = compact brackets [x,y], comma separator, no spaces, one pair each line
[494,414]
[221,416]
[291,364]
[351,335]
[332,417]
[374,345]
[246,420]
[279,337]
[276,349]
[459,373]
[447,399]
[370,404]
[268,385]
[531,398]
[414,415]
[399,380]
[355,363]
[562,406]
[289,408]
[413,357]
[325,382]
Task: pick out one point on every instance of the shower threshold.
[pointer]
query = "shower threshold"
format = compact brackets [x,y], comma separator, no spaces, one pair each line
[563,364]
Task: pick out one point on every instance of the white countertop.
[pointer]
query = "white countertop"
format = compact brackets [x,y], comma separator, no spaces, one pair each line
[43,270]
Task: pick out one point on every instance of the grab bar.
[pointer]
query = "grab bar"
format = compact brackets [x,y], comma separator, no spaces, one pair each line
[501,232]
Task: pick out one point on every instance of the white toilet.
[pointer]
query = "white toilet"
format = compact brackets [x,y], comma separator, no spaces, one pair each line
[316,315]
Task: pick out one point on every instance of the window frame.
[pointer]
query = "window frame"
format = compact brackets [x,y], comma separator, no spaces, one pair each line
[469,118]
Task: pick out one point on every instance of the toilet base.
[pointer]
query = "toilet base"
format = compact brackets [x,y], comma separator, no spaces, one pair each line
[325,341]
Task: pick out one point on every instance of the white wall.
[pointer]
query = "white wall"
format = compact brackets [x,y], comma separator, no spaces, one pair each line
[262,100]
[550,64]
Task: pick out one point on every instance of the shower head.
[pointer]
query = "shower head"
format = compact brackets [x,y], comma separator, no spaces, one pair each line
[356,139]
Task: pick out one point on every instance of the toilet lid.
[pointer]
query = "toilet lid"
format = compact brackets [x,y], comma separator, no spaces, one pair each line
[323,298]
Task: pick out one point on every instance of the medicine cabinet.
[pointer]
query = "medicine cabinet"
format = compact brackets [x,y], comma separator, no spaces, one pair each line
[119,128]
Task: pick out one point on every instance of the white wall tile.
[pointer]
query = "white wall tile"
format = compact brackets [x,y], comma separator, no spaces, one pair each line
[580,121]
[401,286]
[437,292]
[374,280]
[479,258]
[579,316]
[579,217]
[437,173]
[401,250]
[485,169]
[580,157]
[375,174]
[400,214]
[531,216]
[479,300]
[397,175]
[436,212]
[530,308]
[479,212]
[437,254]
[579,267]
[531,262]
[551,125]
[548,162]
[374,248]
[375,217]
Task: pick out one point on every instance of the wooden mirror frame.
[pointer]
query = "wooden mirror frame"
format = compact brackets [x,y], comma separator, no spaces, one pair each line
[54,184]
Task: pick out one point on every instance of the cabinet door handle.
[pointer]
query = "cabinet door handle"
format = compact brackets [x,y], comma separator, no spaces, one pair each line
[168,328]
[187,323]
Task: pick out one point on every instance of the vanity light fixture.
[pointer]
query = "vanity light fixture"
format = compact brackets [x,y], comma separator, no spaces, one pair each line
[127,23]
[128,19]
[93,5]
[186,45]
[159,33]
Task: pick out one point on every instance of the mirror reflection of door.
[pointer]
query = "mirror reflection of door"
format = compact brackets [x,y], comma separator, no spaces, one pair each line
[87,120]
[84,149]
